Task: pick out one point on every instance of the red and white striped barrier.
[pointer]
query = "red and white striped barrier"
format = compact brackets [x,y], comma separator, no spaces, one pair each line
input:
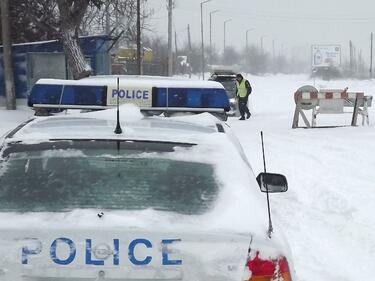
[327,94]
[329,101]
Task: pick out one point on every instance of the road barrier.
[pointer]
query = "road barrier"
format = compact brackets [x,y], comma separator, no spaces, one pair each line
[329,101]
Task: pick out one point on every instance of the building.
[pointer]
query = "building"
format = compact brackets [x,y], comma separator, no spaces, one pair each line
[46,59]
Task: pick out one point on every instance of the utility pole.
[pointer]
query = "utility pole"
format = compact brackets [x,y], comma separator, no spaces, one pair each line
[211,13]
[139,59]
[355,59]
[170,52]
[7,57]
[175,44]
[247,39]
[261,43]
[372,42]
[225,31]
[350,56]
[247,46]
[203,63]
[189,55]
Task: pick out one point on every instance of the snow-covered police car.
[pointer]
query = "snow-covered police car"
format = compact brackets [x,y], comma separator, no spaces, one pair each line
[152,199]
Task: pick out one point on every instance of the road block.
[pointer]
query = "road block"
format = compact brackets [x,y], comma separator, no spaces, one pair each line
[329,101]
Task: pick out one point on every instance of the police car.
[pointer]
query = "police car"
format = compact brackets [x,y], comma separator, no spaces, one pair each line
[228,79]
[89,196]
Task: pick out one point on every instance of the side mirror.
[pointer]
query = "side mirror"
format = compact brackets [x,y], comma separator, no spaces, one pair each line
[275,183]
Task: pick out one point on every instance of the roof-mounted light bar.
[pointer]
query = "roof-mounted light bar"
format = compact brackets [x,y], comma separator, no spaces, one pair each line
[155,96]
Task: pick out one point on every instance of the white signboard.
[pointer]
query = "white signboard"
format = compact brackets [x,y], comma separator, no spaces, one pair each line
[326,55]
[140,96]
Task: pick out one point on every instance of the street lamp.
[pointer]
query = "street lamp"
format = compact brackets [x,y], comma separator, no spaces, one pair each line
[225,27]
[202,35]
[247,38]
[261,43]
[211,13]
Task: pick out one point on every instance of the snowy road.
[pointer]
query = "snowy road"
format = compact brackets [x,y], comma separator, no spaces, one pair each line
[327,214]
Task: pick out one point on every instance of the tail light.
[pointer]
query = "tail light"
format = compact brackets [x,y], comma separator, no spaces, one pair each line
[269,270]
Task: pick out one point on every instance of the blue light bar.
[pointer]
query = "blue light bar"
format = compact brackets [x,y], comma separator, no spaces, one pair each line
[191,97]
[96,96]
[67,95]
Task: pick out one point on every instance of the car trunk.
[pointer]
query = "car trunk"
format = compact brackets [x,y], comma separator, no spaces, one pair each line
[120,254]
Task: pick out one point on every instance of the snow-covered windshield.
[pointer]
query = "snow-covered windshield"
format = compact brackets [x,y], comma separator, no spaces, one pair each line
[62,176]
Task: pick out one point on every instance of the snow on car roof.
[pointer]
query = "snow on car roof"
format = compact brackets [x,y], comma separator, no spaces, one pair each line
[130,80]
[101,125]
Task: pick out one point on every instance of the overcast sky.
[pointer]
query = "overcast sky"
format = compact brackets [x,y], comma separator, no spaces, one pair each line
[293,24]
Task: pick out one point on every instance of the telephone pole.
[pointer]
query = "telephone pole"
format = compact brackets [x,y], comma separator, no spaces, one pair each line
[175,43]
[372,42]
[170,52]
[351,56]
[7,57]
[139,59]
[189,55]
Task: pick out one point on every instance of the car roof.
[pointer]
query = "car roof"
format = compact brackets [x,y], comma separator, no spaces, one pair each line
[223,72]
[101,125]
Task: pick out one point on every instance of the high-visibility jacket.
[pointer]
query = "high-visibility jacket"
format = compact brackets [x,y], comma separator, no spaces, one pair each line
[243,88]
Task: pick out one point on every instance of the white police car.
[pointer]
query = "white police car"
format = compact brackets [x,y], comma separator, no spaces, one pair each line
[165,199]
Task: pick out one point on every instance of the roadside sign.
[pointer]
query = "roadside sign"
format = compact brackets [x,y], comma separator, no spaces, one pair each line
[325,55]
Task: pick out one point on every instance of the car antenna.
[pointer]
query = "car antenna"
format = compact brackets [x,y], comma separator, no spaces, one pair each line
[270,227]
[118,129]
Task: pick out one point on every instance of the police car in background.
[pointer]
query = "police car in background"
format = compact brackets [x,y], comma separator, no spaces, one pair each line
[151,201]
[228,79]
[154,95]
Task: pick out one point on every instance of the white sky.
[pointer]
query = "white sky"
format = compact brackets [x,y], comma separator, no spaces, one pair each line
[293,24]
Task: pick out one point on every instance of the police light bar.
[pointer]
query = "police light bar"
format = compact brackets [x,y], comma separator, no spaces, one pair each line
[155,95]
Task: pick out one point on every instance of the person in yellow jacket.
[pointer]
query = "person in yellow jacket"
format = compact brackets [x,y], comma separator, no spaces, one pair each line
[243,90]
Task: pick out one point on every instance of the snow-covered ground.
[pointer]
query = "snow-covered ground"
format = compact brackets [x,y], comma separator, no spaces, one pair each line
[327,212]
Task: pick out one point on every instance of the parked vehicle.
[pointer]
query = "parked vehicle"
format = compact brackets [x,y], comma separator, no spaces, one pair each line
[228,79]
[159,199]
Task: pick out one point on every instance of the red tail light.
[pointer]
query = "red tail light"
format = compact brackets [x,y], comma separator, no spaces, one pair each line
[269,270]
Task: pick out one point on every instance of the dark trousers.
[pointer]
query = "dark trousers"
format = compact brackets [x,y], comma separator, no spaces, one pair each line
[242,104]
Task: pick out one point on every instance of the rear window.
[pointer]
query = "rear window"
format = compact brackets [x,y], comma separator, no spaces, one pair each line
[62,176]
[230,86]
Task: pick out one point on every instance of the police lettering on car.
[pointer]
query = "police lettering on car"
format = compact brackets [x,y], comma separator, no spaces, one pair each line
[97,254]
[131,94]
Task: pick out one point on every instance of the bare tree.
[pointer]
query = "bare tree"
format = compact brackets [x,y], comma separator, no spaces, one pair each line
[33,20]
[122,19]
[7,57]
[58,19]
[71,14]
